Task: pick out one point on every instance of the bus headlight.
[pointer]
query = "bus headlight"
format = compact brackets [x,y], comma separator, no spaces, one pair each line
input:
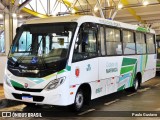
[55,83]
[7,81]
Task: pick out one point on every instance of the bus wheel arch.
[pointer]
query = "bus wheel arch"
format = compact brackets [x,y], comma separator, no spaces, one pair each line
[86,88]
[83,93]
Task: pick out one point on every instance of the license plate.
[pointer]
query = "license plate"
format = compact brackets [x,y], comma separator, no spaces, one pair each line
[27,98]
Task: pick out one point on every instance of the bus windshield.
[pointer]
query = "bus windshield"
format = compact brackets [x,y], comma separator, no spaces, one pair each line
[42,43]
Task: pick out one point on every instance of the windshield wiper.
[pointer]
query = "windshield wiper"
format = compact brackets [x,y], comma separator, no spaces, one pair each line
[41,56]
[20,59]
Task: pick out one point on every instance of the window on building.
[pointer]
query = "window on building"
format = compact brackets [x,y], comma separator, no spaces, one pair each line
[2,43]
[128,42]
[140,43]
[113,42]
[150,43]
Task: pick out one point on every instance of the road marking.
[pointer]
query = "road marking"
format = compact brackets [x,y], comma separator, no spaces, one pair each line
[148,88]
[131,94]
[111,102]
[143,90]
[157,84]
[87,111]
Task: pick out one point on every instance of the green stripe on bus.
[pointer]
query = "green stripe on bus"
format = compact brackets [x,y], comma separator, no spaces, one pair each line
[142,29]
[62,71]
[121,88]
[133,75]
[16,84]
[126,69]
[128,61]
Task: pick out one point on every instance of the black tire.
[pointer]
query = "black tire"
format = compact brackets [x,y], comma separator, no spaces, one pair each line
[4,103]
[30,104]
[78,102]
[157,73]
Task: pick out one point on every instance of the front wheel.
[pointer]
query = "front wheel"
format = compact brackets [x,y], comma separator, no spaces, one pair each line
[29,104]
[78,102]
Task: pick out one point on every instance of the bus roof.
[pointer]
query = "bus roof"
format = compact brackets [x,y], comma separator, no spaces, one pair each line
[86,18]
[70,18]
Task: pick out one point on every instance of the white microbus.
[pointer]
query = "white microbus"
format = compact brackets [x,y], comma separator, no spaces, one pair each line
[71,60]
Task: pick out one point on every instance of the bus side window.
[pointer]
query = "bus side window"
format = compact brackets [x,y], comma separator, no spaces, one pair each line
[129,46]
[113,42]
[150,44]
[86,44]
[140,43]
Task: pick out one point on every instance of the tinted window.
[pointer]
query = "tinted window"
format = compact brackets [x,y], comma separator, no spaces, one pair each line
[113,43]
[86,44]
[140,43]
[150,43]
[128,42]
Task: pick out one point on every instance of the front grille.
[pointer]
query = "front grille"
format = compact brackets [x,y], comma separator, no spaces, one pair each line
[35,98]
[28,89]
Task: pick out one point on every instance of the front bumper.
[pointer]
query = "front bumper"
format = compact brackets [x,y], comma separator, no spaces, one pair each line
[52,97]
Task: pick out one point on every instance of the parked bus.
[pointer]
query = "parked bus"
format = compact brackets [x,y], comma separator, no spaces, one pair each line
[158,52]
[70,60]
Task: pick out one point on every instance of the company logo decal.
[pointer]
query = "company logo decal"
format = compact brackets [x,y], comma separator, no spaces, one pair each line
[88,67]
[111,67]
[98,90]
[26,85]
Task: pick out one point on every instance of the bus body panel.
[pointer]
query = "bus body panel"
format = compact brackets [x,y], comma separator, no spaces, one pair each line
[150,69]
[105,75]
[85,71]
[102,83]
[115,73]
[53,97]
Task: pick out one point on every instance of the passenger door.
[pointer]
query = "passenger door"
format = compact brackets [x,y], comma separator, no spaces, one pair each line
[84,68]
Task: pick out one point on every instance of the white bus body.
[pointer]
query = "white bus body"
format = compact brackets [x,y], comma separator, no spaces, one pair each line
[94,76]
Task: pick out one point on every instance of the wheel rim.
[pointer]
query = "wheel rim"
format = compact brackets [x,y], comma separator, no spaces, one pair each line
[136,85]
[79,100]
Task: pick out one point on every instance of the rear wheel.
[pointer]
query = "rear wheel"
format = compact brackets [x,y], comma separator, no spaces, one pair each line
[136,85]
[79,101]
